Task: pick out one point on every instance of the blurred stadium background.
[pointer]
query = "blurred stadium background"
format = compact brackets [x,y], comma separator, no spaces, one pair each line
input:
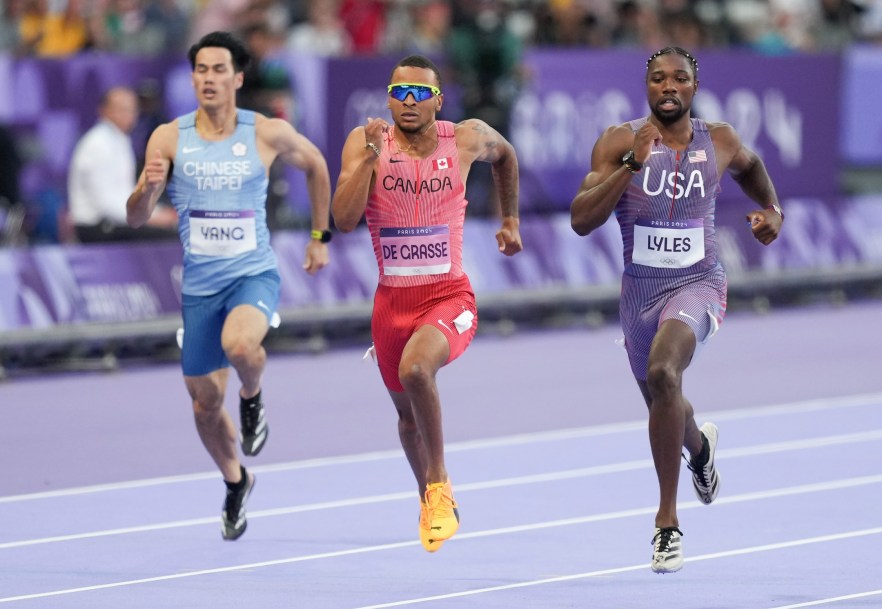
[800,80]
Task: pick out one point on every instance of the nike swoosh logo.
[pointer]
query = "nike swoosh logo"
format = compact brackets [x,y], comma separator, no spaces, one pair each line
[397,161]
[445,325]
[687,316]
[187,150]
[262,305]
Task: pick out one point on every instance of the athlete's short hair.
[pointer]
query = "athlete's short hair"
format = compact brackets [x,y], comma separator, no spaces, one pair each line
[225,40]
[679,51]
[418,61]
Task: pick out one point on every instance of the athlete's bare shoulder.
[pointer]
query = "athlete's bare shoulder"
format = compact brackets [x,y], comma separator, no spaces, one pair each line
[166,129]
[719,128]
[726,140]
[266,126]
[614,140]
[472,123]
[165,139]
[277,134]
[476,140]
[471,130]
[617,132]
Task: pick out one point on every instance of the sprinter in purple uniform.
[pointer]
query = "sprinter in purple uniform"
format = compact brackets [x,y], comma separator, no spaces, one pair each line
[661,176]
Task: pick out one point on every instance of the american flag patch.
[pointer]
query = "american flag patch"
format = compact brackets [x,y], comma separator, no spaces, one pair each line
[697,156]
[442,163]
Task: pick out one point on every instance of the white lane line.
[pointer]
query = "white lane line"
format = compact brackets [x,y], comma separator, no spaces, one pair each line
[392,546]
[582,472]
[254,565]
[537,526]
[851,401]
[833,599]
[817,487]
[553,580]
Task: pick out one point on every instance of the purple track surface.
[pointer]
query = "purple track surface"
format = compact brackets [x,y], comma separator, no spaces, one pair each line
[108,499]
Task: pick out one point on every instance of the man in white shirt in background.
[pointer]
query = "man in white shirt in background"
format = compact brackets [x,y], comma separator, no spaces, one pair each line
[102,174]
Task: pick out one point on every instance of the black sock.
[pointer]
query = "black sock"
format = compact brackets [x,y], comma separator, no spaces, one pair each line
[250,401]
[238,486]
[702,457]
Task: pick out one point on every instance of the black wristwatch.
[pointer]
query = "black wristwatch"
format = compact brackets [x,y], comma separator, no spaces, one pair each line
[632,164]
[321,235]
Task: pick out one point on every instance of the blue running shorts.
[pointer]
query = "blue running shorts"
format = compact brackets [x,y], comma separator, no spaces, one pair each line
[204,317]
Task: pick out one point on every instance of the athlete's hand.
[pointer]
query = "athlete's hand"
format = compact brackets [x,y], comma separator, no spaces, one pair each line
[155,173]
[765,224]
[644,138]
[374,130]
[316,256]
[509,237]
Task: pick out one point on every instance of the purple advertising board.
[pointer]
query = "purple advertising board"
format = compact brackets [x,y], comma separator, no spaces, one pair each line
[42,287]
[861,140]
[772,102]
[569,97]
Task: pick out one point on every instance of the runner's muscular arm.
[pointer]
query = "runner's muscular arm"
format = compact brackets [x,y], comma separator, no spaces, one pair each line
[749,172]
[603,186]
[160,154]
[477,141]
[356,174]
[295,149]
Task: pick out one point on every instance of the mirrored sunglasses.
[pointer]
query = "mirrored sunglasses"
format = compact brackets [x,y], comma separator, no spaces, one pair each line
[420,92]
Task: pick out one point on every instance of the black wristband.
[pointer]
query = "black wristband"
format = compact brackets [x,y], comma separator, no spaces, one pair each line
[321,235]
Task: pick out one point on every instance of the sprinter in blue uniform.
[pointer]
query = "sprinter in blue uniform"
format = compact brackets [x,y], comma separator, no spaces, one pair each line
[214,163]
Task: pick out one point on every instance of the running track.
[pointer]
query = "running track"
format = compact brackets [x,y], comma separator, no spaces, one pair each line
[109,501]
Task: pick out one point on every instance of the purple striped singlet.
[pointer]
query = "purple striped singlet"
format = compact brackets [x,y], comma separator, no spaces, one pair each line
[672,270]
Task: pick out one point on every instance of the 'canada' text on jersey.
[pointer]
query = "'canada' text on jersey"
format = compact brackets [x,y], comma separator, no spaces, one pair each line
[392,183]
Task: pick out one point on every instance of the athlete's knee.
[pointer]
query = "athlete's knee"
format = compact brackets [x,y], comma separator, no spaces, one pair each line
[662,378]
[242,352]
[208,400]
[415,374]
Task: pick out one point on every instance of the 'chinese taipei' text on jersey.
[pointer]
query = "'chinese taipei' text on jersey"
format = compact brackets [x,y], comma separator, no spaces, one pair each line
[416,212]
[666,214]
[219,191]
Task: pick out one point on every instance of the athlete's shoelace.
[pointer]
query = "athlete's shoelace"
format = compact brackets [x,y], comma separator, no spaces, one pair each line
[662,539]
[251,416]
[235,498]
[233,503]
[701,471]
[440,501]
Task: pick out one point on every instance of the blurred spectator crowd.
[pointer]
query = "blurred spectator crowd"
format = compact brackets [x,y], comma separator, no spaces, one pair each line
[353,27]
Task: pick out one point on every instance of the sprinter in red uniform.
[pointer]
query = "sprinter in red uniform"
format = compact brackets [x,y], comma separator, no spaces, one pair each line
[408,180]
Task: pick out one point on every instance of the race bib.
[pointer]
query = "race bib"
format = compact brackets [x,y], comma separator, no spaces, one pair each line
[672,244]
[222,233]
[417,250]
